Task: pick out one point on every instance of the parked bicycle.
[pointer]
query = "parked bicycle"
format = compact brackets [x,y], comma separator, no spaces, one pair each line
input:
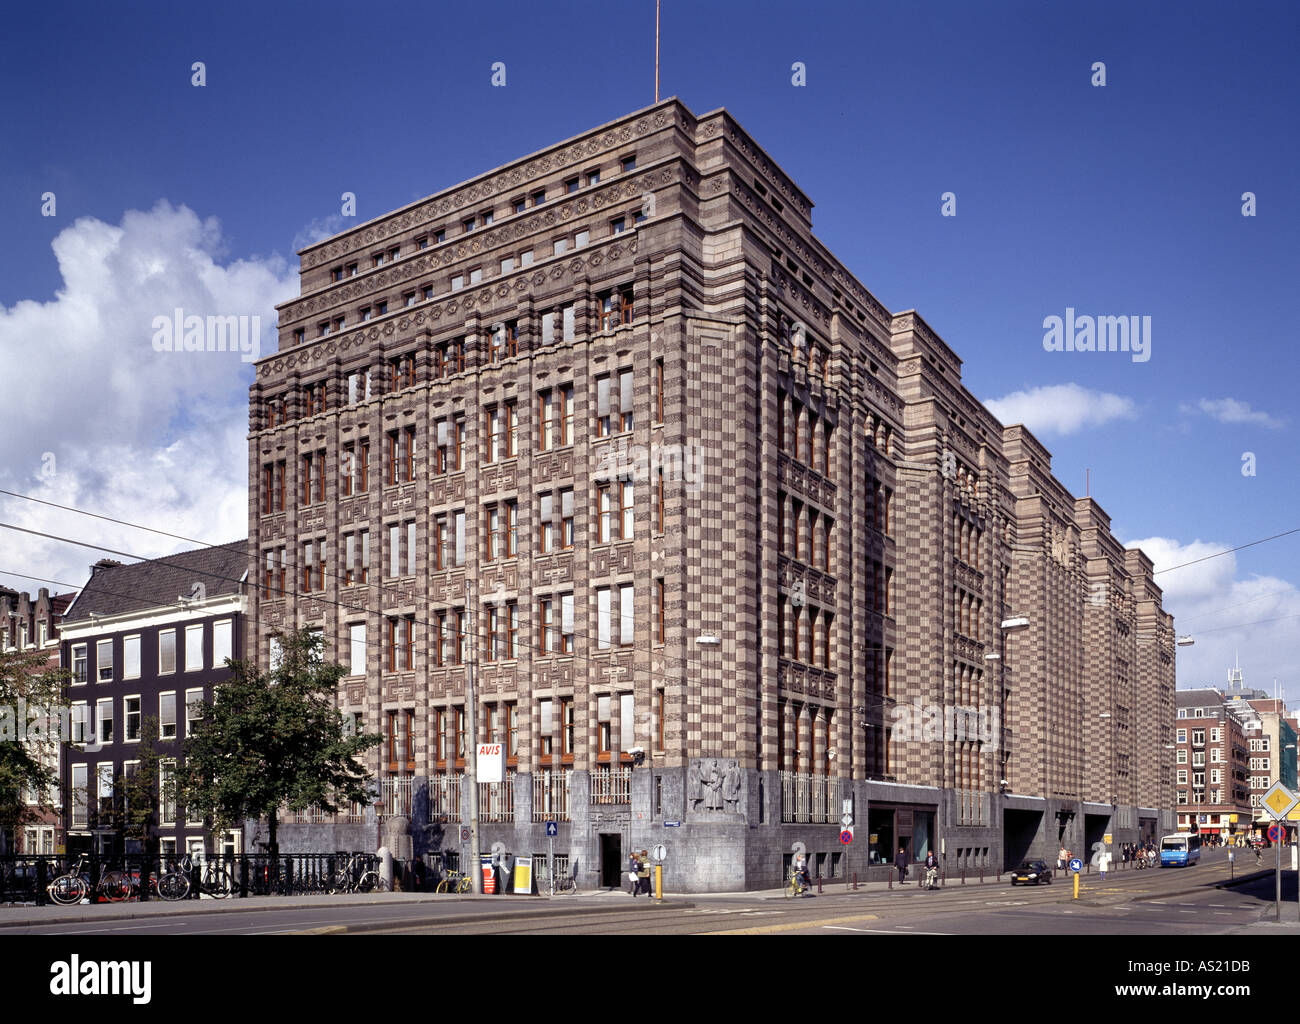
[455,882]
[566,883]
[356,877]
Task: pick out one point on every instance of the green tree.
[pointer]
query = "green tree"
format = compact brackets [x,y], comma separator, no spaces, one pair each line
[31,734]
[140,794]
[274,740]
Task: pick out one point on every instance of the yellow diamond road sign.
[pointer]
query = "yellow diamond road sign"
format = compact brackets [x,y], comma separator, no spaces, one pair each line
[1279,800]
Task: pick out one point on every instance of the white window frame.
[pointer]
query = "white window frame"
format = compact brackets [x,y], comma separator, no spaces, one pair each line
[99,660]
[126,718]
[100,718]
[226,626]
[161,634]
[191,646]
[80,652]
[190,719]
[161,721]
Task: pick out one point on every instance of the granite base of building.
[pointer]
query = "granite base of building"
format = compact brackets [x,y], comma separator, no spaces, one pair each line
[748,843]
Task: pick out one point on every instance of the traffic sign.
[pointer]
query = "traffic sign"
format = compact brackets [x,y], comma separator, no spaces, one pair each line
[659,854]
[1275,833]
[552,829]
[1076,865]
[464,835]
[672,824]
[846,836]
[1279,800]
[846,819]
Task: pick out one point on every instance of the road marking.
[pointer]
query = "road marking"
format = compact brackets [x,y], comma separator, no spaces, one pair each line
[329,929]
[794,925]
[875,931]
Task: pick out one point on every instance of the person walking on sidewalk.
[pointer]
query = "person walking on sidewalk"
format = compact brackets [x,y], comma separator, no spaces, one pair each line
[643,873]
[900,862]
[633,869]
[931,871]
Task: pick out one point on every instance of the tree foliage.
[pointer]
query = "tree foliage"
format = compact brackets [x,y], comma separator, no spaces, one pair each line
[270,740]
[33,726]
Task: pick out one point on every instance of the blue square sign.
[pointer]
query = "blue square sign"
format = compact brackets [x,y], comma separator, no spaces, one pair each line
[552,829]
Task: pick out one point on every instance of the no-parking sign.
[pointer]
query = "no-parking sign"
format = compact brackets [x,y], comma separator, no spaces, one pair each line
[846,836]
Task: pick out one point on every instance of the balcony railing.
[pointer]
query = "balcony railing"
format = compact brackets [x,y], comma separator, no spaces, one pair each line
[496,800]
[444,796]
[551,794]
[611,786]
[812,799]
[395,796]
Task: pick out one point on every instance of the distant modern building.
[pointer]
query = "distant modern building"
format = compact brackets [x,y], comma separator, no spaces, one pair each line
[145,643]
[32,624]
[742,554]
[1213,764]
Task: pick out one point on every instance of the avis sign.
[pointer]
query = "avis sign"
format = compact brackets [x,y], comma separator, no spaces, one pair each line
[491,762]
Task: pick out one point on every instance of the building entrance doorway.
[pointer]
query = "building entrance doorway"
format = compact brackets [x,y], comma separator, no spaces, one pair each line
[611,860]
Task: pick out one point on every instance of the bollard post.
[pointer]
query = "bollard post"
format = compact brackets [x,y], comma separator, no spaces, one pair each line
[40,883]
[819,885]
[981,874]
[891,878]
[145,873]
[243,876]
[196,881]
[963,876]
[855,881]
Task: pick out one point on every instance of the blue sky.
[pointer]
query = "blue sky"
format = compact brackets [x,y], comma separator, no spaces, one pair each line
[1119,200]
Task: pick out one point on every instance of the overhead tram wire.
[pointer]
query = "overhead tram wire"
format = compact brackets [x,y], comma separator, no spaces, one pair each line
[312,595]
[379,587]
[1228,551]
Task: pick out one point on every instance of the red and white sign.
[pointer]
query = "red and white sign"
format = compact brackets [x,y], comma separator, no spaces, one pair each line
[491,762]
[846,836]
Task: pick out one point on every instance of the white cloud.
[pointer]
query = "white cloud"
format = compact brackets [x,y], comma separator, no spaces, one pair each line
[1254,619]
[1061,408]
[1229,410]
[152,437]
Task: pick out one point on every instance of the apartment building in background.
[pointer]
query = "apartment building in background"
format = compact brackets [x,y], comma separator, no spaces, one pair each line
[736,543]
[1213,763]
[32,624]
[145,644]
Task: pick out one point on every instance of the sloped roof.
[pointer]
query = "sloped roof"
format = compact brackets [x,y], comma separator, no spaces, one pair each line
[158,582]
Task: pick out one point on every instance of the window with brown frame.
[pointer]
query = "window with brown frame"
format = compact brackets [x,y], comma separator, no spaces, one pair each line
[503,341]
[603,418]
[660,516]
[568,728]
[564,411]
[273,474]
[810,436]
[547,634]
[660,708]
[615,308]
[659,390]
[545,421]
[512,732]
[796,514]
[546,729]
[661,619]
[625,400]
[781,430]
[460,736]
[401,370]
[826,451]
[440,736]
[828,525]
[566,517]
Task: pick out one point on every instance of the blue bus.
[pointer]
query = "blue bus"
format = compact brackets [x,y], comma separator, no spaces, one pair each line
[1182,850]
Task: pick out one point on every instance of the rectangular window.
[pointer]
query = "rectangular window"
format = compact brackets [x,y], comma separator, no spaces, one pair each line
[624,400]
[167,715]
[193,709]
[193,648]
[602,406]
[104,659]
[566,517]
[80,663]
[131,712]
[104,720]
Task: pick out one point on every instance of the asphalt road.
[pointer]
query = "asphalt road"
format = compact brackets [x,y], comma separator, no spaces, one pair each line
[1128,902]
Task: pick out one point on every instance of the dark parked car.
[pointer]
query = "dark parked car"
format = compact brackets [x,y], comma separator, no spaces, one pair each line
[1034,871]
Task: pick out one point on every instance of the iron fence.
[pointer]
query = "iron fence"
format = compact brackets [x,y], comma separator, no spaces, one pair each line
[551,794]
[496,800]
[812,799]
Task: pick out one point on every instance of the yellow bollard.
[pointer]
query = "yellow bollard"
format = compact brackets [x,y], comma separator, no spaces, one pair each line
[1076,885]
[659,883]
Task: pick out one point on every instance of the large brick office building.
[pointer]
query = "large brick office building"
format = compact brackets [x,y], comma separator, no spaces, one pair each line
[719,509]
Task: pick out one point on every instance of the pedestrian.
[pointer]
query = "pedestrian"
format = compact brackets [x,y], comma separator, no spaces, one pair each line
[633,866]
[900,862]
[1103,862]
[1062,858]
[931,871]
[643,873]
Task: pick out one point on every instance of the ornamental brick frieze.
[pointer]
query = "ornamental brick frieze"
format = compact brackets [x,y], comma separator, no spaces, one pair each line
[553,570]
[354,510]
[447,490]
[273,528]
[401,498]
[447,587]
[356,693]
[399,687]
